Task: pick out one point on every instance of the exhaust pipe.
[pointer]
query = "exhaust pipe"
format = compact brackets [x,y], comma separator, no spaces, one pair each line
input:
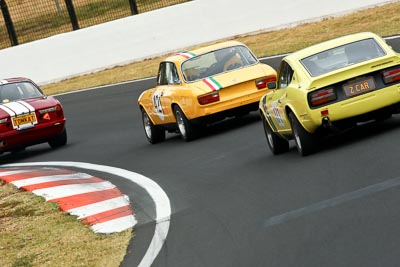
[328,125]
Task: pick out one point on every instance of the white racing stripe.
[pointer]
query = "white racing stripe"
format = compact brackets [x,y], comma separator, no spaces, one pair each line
[99,207]
[51,178]
[17,107]
[71,190]
[8,110]
[116,225]
[27,105]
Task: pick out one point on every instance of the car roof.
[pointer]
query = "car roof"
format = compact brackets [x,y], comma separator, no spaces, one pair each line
[14,80]
[314,49]
[178,58]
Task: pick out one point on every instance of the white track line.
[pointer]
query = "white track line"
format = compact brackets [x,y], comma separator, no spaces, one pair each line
[160,198]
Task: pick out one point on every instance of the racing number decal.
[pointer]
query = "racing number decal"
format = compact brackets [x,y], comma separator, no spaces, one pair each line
[157,104]
[278,116]
[276,113]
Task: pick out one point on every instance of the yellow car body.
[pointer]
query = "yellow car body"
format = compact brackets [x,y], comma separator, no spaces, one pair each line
[201,86]
[329,87]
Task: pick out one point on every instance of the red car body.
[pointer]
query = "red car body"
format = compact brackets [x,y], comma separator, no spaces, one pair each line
[28,117]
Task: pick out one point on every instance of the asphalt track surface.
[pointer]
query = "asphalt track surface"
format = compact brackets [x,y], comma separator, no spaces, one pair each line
[233,202]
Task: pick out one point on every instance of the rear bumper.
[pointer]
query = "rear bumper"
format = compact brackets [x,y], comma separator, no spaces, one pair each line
[230,107]
[41,133]
[347,123]
[218,116]
[363,108]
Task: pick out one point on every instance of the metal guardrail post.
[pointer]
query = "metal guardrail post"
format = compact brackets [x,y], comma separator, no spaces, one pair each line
[133,5]
[9,24]
[72,14]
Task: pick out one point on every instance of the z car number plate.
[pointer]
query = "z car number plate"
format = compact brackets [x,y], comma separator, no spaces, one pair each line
[359,87]
[25,119]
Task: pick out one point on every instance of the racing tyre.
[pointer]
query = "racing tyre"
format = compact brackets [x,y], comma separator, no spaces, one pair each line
[306,142]
[185,127]
[277,144]
[59,140]
[154,134]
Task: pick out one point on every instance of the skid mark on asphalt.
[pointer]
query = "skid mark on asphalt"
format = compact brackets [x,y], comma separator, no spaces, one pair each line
[158,195]
[332,202]
[96,202]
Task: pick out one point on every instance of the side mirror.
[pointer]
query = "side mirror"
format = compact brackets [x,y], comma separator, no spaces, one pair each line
[271,85]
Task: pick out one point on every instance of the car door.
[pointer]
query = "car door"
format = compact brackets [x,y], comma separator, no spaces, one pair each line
[278,98]
[167,82]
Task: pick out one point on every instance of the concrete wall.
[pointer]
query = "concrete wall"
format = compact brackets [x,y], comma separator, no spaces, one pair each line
[159,32]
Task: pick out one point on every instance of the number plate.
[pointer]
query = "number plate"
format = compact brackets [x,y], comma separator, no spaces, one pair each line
[25,119]
[359,87]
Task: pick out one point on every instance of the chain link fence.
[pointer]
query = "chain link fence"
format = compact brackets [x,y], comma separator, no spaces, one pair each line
[23,21]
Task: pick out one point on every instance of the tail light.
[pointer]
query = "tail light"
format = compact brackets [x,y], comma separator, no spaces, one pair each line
[322,96]
[47,110]
[208,98]
[262,83]
[46,113]
[390,76]
[59,111]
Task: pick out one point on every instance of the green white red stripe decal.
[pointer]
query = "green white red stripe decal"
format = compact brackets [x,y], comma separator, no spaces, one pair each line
[186,55]
[212,83]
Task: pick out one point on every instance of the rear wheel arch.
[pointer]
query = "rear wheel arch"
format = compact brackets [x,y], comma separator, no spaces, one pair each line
[289,110]
[306,142]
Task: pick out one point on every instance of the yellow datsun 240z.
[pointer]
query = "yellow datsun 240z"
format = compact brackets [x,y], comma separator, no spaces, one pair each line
[330,87]
[202,86]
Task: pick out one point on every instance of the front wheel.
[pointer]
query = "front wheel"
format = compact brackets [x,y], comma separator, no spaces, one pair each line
[306,142]
[186,128]
[277,144]
[154,133]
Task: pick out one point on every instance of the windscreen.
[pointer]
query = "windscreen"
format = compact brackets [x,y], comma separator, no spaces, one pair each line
[342,56]
[18,91]
[217,62]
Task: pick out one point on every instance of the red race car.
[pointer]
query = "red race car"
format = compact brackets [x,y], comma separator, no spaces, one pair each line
[28,117]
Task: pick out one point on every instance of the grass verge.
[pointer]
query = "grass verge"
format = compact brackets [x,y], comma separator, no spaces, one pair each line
[35,233]
[383,20]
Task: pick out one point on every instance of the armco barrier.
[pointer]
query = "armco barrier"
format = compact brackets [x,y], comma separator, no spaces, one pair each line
[158,32]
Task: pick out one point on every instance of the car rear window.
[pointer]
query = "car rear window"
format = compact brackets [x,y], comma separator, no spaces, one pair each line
[17,91]
[342,56]
[217,62]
